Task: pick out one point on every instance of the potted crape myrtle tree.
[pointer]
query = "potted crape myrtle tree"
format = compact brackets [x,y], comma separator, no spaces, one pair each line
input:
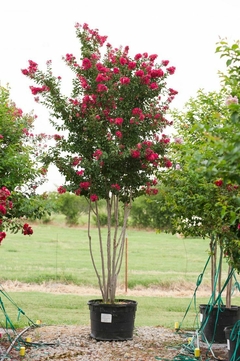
[205,190]
[109,145]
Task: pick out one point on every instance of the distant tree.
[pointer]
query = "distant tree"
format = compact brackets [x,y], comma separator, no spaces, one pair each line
[71,206]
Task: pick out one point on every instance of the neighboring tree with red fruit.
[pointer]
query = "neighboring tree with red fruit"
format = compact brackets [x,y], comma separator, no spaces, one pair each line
[112,125]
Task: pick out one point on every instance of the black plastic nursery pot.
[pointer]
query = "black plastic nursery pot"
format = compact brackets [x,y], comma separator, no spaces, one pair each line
[233,341]
[214,320]
[112,322]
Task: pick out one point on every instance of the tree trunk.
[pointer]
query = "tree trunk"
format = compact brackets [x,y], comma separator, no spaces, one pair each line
[213,250]
[229,290]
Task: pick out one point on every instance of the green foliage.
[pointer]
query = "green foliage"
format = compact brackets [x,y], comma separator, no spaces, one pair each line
[17,165]
[20,168]
[71,206]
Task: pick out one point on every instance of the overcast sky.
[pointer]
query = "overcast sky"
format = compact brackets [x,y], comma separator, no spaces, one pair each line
[182,31]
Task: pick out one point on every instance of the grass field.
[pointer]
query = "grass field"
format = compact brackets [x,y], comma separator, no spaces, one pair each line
[56,253]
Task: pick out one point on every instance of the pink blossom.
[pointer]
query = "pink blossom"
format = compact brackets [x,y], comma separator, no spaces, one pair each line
[151,191]
[136,111]
[172,91]
[101,77]
[84,185]
[2,236]
[101,88]
[137,56]
[69,58]
[76,161]
[97,154]
[118,134]
[135,153]
[61,190]
[231,100]
[124,80]
[86,64]
[101,68]
[3,209]
[153,57]
[178,140]
[25,71]
[93,198]
[57,137]
[80,172]
[165,62]
[238,227]
[165,140]
[156,73]
[83,81]
[150,155]
[118,121]
[27,230]
[123,61]
[153,86]
[139,73]
[146,79]
[218,182]
[116,186]
[171,70]
[36,90]
[132,65]
[168,163]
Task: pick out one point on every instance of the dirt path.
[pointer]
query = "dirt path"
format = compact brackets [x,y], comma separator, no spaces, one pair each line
[179,290]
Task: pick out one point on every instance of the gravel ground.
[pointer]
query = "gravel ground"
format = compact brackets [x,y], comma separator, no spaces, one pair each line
[73,343]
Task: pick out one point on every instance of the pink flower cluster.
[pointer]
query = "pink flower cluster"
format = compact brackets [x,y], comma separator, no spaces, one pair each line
[27,230]
[150,187]
[61,190]
[31,69]
[2,236]
[5,204]
[231,100]
[36,90]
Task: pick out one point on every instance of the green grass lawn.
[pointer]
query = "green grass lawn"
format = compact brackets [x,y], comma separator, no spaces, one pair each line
[59,254]
[54,309]
[55,252]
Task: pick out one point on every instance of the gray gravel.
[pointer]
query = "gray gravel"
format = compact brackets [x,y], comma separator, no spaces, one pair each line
[73,343]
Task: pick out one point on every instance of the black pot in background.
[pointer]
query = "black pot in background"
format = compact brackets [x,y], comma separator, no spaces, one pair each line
[112,322]
[226,316]
[233,341]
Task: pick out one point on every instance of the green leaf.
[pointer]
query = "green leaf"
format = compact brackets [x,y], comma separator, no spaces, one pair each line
[235,117]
